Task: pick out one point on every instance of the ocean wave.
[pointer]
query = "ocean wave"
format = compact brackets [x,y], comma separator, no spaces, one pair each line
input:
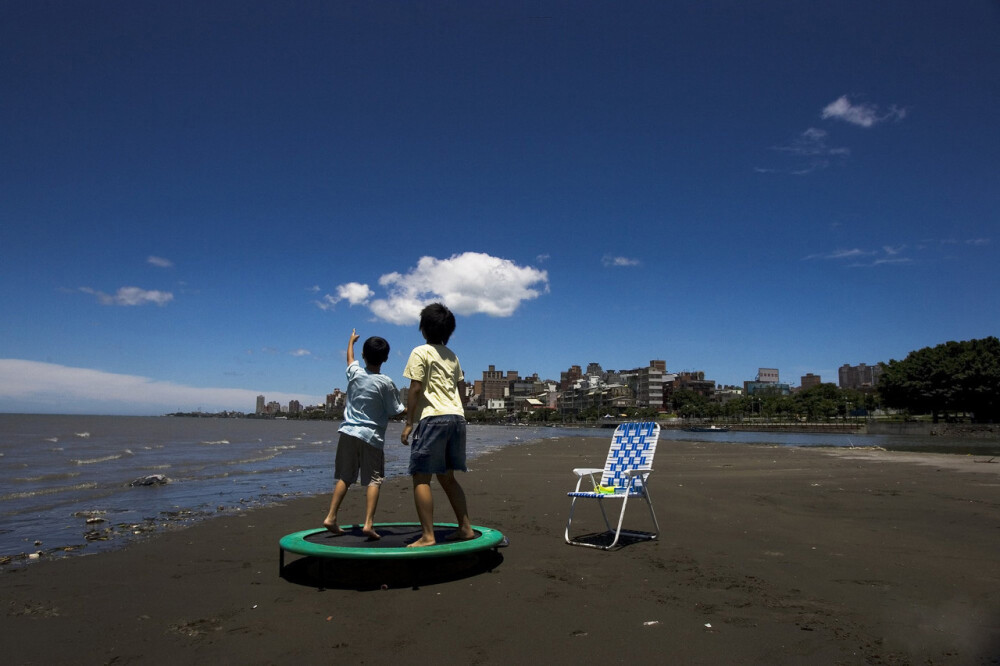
[48,491]
[48,477]
[52,439]
[220,441]
[260,459]
[84,435]
[285,447]
[91,461]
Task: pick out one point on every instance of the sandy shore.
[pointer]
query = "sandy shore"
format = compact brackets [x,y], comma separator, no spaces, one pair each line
[768,556]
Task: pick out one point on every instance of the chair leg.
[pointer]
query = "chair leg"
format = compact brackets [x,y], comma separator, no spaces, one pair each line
[607,523]
[572,507]
[656,524]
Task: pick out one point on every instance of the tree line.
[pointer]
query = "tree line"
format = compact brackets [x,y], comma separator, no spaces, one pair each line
[954,378]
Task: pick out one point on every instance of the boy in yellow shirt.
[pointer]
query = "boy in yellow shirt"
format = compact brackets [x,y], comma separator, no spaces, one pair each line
[439,439]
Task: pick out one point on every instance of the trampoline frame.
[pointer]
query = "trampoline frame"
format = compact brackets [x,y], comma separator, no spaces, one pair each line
[296,543]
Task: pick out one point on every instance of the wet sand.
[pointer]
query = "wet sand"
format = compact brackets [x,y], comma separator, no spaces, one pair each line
[767,555]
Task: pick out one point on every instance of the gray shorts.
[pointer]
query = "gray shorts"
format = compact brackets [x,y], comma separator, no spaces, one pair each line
[438,445]
[356,456]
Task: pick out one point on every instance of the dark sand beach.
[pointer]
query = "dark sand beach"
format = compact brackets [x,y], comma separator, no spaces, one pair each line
[767,555]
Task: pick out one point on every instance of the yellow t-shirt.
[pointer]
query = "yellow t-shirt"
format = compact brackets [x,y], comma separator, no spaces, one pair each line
[437,368]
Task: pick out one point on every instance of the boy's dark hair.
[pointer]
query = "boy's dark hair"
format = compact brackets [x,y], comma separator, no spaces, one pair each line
[375,351]
[437,323]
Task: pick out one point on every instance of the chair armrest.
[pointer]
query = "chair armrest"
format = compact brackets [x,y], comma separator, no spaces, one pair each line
[581,471]
[637,472]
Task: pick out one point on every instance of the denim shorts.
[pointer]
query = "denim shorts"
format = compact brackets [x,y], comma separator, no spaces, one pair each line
[438,445]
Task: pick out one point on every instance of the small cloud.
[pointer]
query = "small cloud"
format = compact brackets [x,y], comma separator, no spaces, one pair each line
[300,353]
[542,258]
[160,262]
[891,260]
[891,251]
[862,115]
[811,150]
[314,289]
[352,292]
[812,143]
[978,241]
[611,261]
[846,254]
[130,296]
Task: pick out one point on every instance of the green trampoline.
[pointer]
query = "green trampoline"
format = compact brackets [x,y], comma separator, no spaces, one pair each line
[353,545]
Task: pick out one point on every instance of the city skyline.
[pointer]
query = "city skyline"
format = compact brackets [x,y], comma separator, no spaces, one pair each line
[202,200]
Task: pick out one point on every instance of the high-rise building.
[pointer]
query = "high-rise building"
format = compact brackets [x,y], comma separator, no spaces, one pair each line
[647,383]
[767,375]
[261,406]
[567,378]
[809,380]
[495,384]
[860,377]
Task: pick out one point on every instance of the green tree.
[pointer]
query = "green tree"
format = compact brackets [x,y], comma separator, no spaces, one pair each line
[819,403]
[689,404]
[951,377]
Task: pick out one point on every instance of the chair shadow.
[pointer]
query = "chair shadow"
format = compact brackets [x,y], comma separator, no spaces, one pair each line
[605,539]
[373,574]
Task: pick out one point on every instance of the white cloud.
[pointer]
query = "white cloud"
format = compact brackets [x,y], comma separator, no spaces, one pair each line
[811,146]
[355,293]
[468,283]
[36,387]
[352,292]
[862,115]
[609,260]
[160,262]
[130,296]
[300,352]
[812,143]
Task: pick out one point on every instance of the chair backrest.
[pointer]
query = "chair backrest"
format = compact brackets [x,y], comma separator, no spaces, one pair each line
[632,447]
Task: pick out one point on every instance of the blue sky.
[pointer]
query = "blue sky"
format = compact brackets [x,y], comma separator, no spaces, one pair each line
[200,200]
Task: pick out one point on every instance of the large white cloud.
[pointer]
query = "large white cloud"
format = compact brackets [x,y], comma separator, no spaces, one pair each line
[468,283]
[31,386]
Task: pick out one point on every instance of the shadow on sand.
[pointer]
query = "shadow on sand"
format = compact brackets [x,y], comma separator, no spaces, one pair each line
[373,574]
[604,539]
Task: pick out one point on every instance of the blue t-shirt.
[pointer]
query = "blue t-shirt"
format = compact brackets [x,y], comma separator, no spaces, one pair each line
[372,399]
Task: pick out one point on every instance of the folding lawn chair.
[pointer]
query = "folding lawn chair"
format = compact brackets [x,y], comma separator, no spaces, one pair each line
[629,464]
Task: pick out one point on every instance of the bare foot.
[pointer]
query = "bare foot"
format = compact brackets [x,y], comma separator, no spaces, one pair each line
[371,534]
[422,543]
[333,527]
[459,535]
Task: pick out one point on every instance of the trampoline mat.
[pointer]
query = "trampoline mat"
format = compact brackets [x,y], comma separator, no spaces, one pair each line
[393,536]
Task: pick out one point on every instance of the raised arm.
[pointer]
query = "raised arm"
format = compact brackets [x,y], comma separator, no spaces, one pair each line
[350,346]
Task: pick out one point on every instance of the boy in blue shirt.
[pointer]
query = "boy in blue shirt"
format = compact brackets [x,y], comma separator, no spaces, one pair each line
[372,399]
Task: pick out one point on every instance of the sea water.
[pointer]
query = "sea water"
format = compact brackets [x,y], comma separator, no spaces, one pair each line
[66,481]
